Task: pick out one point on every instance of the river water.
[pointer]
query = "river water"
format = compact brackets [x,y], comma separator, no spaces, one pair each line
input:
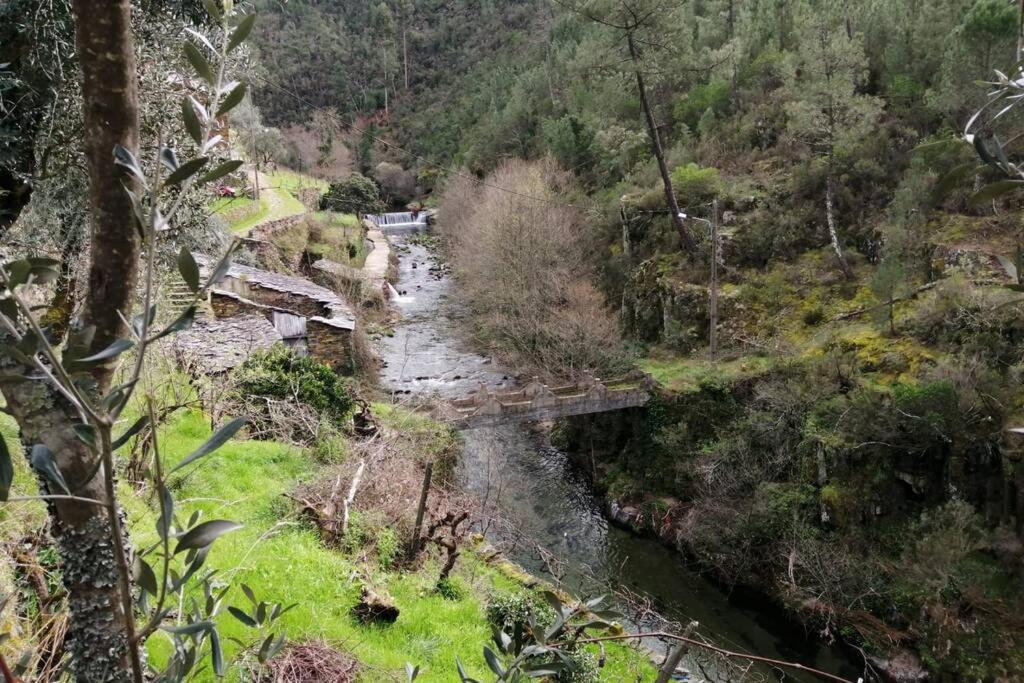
[550,522]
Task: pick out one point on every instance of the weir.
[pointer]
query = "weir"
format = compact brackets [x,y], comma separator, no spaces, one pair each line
[400,223]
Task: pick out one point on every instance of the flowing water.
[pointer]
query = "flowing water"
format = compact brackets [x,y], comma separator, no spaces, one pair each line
[552,522]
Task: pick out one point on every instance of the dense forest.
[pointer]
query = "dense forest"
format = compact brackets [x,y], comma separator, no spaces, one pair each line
[848,450]
[237,379]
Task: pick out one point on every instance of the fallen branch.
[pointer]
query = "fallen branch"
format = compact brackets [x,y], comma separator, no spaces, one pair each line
[867,309]
[347,503]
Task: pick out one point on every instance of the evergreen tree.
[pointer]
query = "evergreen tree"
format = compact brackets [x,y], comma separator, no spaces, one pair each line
[826,108]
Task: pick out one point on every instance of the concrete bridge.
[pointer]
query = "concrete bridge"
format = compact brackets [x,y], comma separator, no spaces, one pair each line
[538,401]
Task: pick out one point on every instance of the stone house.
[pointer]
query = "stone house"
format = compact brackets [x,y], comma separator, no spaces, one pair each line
[308,318]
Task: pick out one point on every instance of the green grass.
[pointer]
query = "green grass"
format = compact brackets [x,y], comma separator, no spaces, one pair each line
[292,181]
[241,214]
[283,560]
[335,232]
[687,374]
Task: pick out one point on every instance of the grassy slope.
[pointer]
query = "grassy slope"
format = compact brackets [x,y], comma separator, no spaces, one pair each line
[283,560]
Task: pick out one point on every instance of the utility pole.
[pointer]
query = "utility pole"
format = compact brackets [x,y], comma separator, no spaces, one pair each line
[713,332]
[255,163]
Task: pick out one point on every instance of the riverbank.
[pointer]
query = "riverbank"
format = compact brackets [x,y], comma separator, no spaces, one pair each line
[539,505]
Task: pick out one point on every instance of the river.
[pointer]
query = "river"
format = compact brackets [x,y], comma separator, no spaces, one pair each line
[551,521]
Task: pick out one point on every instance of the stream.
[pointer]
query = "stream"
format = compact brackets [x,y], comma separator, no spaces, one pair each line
[551,521]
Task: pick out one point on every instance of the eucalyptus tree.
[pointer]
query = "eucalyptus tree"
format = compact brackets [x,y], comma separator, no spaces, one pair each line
[62,394]
[826,107]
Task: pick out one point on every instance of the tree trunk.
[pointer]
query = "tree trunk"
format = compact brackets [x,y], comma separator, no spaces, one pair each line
[100,627]
[833,233]
[659,153]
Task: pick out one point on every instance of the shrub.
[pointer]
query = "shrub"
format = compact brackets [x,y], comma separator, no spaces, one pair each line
[712,96]
[388,546]
[280,374]
[696,183]
[513,610]
[450,588]
[355,194]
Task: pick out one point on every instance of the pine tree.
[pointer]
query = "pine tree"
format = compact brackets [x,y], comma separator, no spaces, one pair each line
[826,109]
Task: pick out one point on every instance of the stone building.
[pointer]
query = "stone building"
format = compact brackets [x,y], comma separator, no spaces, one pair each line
[305,316]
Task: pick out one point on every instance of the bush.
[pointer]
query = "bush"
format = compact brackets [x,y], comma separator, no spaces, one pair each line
[695,183]
[280,374]
[692,106]
[512,610]
[355,194]
[388,547]
[450,588]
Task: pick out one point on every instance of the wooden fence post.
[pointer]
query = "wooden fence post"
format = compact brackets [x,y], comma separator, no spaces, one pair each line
[422,508]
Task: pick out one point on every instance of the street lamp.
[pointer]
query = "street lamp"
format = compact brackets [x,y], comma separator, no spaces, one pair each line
[713,308]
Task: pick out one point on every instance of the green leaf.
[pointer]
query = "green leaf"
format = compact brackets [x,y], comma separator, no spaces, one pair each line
[221,171]
[462,673]
[116,349]
[183,322]
[145,576]
[123,158]
[186,170]
[216,653]
[214,8]
[241,31]
[493,662]
[264,651]
[6,469]
[994,190]
[169,159]
[86,434]
[233,98]
[189,269]
[249,594]
[18,272]
[242,616]
[205,534]
[130,432]
[166,517]
[950,180]
[222,271]
[191,120]
[189,629]
[219,438]
[43,462]
[199,63]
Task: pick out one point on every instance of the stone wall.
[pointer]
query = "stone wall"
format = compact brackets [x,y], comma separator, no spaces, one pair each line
[330,343]
[261,241]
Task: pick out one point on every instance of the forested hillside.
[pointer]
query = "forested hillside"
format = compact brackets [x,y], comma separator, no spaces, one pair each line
[846,447]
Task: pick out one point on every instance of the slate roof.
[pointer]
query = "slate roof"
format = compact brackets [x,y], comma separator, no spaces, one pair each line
[337,308]
[218,345]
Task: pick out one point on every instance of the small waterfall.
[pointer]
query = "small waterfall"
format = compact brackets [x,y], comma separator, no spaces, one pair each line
[392,292]
[402,220]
